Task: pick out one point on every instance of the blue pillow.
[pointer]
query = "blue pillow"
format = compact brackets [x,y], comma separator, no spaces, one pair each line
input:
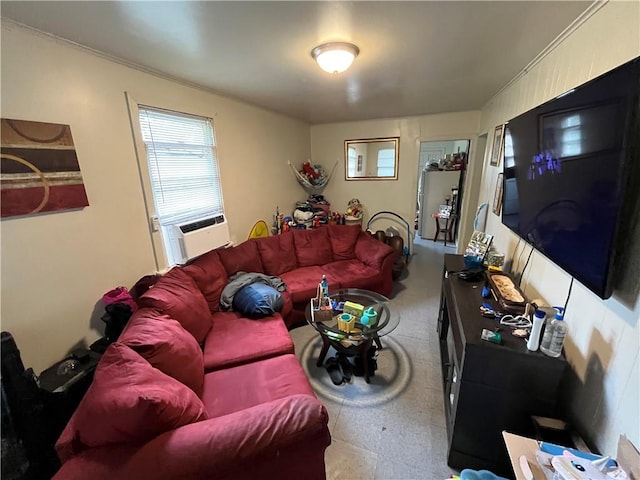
[257,300]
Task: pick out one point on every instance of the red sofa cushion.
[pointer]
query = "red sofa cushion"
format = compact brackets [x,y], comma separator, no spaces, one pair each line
[209,274]
[167,346]
[277,253]
[242,258]
[302,283]
[284,439]
[235,340]
[131,402]
[253,384]
[353,274]
[177,295]
[312,247]
[343,240]
[372,252]
[287,305]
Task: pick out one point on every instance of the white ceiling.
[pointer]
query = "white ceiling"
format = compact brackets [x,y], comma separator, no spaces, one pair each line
[415,57]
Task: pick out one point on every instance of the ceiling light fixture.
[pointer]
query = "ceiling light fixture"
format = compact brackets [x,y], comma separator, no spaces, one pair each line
[335,57]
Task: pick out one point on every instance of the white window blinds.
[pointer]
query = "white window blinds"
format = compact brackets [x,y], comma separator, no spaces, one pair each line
[183,168]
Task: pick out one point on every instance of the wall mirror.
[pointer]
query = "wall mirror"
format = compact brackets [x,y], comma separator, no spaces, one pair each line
[371,159]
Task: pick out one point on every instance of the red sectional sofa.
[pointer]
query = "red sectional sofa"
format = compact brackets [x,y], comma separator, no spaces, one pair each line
[191,392]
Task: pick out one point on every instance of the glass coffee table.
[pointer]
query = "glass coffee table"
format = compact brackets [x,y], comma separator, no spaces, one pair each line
[358,341]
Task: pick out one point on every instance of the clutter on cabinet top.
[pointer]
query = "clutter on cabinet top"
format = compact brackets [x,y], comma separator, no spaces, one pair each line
[477,249]
[509,296]
[451,161]
[320,205]
[314,212]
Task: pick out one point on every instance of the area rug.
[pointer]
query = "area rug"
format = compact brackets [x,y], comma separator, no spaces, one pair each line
[389,381]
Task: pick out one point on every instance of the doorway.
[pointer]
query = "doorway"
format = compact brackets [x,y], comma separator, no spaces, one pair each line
[441,166]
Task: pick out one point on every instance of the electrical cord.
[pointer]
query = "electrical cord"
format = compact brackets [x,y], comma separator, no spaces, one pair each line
[519,258]
[519,321]
[513,255]
[525,266]
[568,295]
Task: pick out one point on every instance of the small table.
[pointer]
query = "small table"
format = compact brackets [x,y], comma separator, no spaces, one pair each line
[356,343]
[447,228]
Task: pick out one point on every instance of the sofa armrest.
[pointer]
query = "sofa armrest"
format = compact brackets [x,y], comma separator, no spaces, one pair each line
[239,445]
[373,252]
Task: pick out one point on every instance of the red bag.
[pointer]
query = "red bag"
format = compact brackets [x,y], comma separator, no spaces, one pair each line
[120,295]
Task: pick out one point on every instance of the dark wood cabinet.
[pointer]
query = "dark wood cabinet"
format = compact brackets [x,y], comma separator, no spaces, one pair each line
[488,387]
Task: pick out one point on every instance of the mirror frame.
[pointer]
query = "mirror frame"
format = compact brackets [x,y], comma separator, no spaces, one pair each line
[396,148]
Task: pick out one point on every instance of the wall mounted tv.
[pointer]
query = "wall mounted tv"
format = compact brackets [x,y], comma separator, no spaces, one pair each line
[570,165]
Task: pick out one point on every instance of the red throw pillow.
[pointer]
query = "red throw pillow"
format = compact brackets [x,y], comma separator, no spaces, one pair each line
[177,295]
[243,258]
[343,241]
[277,253]
[209,274]
[131,402]
[312,247]
[167,346]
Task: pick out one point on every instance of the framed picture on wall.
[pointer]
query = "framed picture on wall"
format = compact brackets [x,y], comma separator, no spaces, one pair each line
[497,146]
[497,196]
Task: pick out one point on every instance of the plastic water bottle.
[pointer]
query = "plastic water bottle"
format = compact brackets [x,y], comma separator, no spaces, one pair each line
[547,333]
[534,336]
[325,286]
[554,335]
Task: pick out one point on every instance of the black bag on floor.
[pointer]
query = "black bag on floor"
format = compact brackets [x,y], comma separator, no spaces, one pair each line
[116,318]
[26,407]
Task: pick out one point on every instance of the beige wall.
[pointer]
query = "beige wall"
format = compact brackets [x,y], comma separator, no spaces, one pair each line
[399,196]
[604,336]
[55,267]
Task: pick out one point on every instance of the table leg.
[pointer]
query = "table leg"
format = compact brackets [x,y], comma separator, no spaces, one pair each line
[376,339]
[446,228]
[323,351]
[435,237]
[364,358]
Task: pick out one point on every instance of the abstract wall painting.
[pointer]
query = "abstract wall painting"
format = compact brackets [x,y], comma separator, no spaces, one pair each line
[39,170]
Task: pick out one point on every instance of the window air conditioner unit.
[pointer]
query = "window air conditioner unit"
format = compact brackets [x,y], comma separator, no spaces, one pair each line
[195,238]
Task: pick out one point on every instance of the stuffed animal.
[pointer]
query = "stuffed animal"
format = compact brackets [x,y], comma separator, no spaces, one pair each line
[354,208]
[309,171]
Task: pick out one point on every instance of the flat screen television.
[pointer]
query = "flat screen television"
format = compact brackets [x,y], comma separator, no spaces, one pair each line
[570,166]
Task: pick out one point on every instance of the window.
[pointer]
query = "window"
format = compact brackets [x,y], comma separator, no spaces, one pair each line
[509,159]
[571,142]
[351,162]
[386,162]
[183,171]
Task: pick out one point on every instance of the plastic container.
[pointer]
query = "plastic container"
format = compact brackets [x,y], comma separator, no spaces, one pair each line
[534,336]
[554,334]
[325,286]
[350,220]
[369,317]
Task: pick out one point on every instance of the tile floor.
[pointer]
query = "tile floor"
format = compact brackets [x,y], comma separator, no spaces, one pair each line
[394,427]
